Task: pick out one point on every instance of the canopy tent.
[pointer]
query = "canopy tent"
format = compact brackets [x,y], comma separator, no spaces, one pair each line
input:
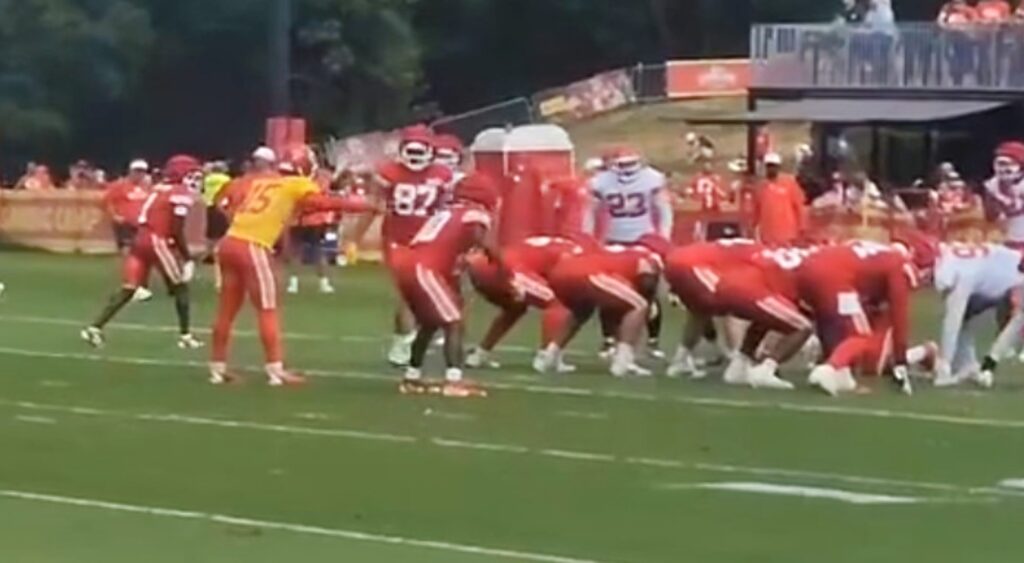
[857,110]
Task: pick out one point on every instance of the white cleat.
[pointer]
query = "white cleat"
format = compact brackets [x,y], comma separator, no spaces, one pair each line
[325,287]
[622,369]
[478,358]
[762,376]
[563,367]
[685,365]
[93,337]
[142,294]
[824,377]
[3,288]
[656,353]
[946,380]
[845,381]
[401,351]
[189,342]
[545,361]
[736,372]
[219,374]
[984,379]
[293,285]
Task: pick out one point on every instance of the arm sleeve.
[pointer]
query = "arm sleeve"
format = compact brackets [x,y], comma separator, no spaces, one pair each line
[953,320]
[663,205]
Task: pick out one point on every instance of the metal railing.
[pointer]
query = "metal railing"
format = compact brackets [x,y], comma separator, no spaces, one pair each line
[920,56]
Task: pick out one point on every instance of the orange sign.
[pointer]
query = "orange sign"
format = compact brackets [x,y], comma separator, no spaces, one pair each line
[694,79]
[63,221]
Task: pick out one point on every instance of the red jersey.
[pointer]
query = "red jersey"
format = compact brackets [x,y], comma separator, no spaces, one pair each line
[993,11]
[714,254]
[957,14]
[319,217]
[448,235]
[709,190]
[412,198]
[538,255]
[165,202]
[880,275]
[779,210]
[124,200]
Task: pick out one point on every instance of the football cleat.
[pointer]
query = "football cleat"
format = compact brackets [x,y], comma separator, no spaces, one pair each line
[545,361]
[736,371]
[984,379]
[563,367]
[824,377]
[93,336]
[142,294]
[479,358]
[762,376]
[325,287]
[219,375]
[189,342]
[3,288]
[626,369]
[462,389]
[293,285]
[277,376]
[400,352]
[685,366]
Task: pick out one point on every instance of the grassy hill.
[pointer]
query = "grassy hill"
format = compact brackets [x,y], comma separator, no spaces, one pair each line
[658,129]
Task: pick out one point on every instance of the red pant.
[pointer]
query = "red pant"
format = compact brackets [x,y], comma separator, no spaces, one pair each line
[869,354]
[246,269]
[432,296]
[582,289]
[739,290]
[149,251]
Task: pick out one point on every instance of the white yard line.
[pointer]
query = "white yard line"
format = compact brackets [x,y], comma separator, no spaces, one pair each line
[36,419]
[519,449]
[585,415]
[577,392]
[354,535]
[850,497]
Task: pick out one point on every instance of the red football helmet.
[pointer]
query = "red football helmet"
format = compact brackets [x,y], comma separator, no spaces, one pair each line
[922,249]
[184,169]
[1008,165]
[298,160]
[448,151]
[416,148]
[479,189]
[625,161]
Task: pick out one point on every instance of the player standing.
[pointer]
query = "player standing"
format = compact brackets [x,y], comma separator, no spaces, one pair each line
[244,257]
[425,272]
[634,198]
[160,243]
[413,188]
[1006,190]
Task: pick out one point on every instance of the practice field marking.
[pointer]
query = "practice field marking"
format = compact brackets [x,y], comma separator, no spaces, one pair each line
[585,415]
[290,527]
[35,419]
[518,449]
[453,416]
[577,392]
[27,319]
[840,495]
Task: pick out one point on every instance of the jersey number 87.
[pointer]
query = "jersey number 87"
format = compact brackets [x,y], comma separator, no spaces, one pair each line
[414,200]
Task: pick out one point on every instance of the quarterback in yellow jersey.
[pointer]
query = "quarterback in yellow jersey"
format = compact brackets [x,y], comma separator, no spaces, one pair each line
[245,258]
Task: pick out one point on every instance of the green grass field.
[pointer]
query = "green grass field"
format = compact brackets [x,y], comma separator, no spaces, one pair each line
[128,455]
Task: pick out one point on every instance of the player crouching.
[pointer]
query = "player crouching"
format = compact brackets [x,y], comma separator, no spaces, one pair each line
[160,243]
[620,282]
[528,264]
[425,272]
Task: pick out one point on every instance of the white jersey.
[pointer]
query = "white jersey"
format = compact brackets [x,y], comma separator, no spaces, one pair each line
[972,277]
[634,207]
[1010,202]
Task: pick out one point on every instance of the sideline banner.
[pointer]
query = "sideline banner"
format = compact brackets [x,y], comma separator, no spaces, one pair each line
[62,221]
[598,94]
[707,78]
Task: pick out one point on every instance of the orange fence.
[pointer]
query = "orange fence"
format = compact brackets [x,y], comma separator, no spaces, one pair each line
[62,221]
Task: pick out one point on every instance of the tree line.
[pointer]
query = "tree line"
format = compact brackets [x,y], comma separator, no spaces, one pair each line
[110,79]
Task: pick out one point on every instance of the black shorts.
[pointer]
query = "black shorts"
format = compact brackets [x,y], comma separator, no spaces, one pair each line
[124,235]
[216,223]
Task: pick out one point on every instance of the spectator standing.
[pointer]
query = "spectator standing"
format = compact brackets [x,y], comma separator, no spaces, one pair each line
[215,179]
[307,238]
[81,176]
[123,203]
[954,17]
[994,13]
[853,12]
[779,214]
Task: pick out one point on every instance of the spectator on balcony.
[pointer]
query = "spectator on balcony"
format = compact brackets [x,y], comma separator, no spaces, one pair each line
[993,11]
[955,18]
[853,12]
[779,215]
[989,41]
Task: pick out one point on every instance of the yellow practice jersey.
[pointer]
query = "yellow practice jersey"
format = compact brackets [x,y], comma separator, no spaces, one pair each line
[268,207]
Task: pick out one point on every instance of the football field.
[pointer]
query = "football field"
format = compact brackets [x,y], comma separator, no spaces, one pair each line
[128,455]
